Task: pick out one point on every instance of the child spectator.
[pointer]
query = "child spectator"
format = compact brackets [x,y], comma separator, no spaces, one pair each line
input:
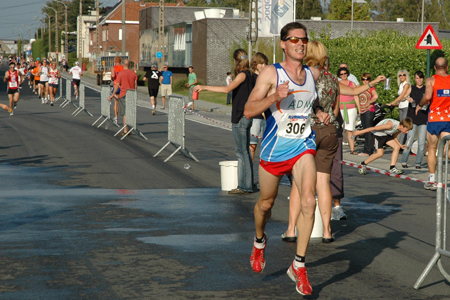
[385,133]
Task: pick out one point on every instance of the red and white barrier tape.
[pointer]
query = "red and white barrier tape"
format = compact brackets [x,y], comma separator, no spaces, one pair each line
[347,163]
[380,171]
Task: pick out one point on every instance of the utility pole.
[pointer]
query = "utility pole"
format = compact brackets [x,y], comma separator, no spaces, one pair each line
[161,30]
[66,43]
[97,31]
[252,26]
[124,36]
[80,44]
[56,28]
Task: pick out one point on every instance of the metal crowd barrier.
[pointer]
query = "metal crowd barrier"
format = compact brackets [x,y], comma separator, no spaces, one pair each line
[441,216]
[68,98]
[176,126]
[82,101]
[105,107]
[60,91]
[130,115]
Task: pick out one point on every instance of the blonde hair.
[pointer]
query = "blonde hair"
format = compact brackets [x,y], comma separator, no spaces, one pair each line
[241,61]
[316,55]
[407,77]
[258,58]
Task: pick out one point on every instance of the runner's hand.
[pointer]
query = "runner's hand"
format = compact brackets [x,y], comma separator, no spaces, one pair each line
[282,91]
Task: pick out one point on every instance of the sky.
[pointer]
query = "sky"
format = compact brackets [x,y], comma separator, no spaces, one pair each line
[18,16]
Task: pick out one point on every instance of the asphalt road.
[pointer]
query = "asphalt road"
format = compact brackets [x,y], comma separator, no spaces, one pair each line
[87,216]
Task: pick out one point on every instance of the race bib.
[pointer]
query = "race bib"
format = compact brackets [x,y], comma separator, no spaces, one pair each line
[13,84]
[53,81]
[294,126]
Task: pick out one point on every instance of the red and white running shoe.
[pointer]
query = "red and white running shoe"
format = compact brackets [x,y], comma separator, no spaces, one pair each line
[300,278]
[257,260]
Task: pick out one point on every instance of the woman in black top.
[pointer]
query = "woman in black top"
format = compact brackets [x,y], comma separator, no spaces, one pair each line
[419,122]
[241,88]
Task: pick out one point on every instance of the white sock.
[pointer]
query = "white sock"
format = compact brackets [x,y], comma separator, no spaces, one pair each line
[153,106]
[431,178]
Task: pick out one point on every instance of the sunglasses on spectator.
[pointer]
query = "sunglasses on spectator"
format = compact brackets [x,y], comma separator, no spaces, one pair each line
[295,40]
[365,78]
[343,74]
[401,75]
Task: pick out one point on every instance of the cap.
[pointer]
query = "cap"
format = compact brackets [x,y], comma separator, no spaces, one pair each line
[154,66]
[38,58]
[77,63]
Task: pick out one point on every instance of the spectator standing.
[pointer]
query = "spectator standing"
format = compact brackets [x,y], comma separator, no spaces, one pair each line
[153,77]
[166,84]
[257,63]
[419,122]
[241,87]
[192,81]
[230,94]
[350,77]
[404,89]
[126,80]
[436,91]
[366,102]
[349,106]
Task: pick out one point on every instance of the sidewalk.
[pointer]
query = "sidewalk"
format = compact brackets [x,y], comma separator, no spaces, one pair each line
[222,113]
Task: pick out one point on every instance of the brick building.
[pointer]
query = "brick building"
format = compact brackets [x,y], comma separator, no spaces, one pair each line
[110,30]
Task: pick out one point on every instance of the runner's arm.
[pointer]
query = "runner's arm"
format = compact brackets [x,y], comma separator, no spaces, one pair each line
[348,91]
[265,93]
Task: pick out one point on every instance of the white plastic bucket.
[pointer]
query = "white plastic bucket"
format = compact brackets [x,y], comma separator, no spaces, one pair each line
[317,231]
[228,174]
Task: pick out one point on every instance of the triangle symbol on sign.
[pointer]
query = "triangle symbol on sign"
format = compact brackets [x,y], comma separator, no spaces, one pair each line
[429,40]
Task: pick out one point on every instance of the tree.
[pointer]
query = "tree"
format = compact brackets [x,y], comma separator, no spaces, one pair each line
[342,10]
[305,9]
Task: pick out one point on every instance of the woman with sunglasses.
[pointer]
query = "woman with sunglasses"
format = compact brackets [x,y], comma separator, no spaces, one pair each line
[349,108]
[366,102]
[404,89]
[241,88]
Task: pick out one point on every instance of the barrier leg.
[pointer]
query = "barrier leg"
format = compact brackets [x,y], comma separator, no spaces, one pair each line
[170,156]
[164,147]
[120,130]
[427,270]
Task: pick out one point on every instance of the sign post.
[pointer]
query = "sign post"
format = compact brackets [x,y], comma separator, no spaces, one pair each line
[429,41]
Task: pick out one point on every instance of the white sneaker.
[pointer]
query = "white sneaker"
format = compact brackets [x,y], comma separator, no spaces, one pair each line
[430,186]
[363,170]
[344,143]
[396,171]
[115,120]
[337,213]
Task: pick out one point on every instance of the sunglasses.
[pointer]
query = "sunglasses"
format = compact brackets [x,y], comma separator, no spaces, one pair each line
[401,75]
[343,74]
[295,40]
[365,78]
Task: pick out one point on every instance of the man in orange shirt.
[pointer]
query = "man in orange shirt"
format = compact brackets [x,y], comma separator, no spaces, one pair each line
[126,80]
[437,90]
[114,73]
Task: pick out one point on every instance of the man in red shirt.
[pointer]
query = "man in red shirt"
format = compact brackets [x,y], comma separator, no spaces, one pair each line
[437,90]
[126,80]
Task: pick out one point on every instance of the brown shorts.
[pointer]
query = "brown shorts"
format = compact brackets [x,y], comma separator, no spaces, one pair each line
[326,147]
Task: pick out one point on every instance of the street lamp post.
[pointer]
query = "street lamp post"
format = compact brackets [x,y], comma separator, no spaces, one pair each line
[355,1]
[56,28]
[66,43]
[49,34]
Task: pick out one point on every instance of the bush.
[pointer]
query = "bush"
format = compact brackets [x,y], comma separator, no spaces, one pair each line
[140,75]
[180,85]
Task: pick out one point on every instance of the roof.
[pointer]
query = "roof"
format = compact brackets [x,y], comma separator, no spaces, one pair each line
[132,10]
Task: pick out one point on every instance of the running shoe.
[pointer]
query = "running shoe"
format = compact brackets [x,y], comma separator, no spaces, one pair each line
[257,260]
[337,213]
[396,171]
[430,186]
[154,111]
[11,112]
[51,104]
[362,170]
[299,276]
[115,120]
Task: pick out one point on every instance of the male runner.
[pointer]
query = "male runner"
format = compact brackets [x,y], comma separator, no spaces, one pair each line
[285,92]
[114,73]
[437,90]
[37,77]
[13,80]
[76,77]
[153,77]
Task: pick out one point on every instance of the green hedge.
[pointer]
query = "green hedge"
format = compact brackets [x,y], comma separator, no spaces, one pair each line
[379,53]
